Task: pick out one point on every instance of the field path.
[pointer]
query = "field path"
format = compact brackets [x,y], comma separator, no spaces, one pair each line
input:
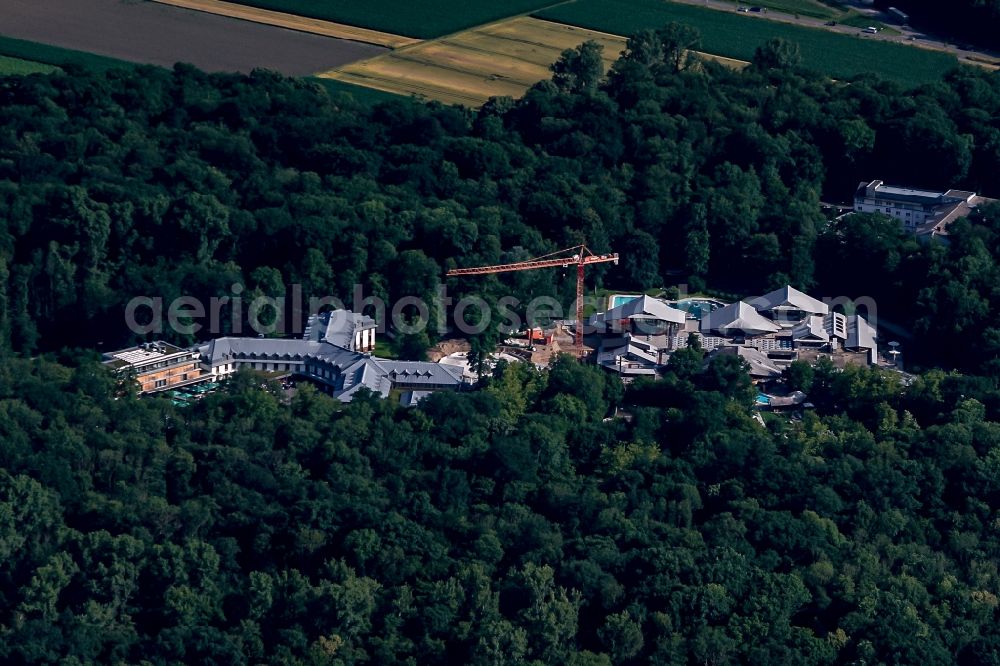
[294,22]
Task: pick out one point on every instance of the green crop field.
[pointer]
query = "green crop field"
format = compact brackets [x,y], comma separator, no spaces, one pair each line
[423,19]
[10,66]
[361,94]
[737,35]
[53,55]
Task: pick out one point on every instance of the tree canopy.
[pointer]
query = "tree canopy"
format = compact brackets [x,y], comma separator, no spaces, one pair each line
[169,183]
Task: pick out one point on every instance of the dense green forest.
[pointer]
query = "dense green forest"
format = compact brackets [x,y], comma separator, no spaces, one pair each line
[163,183]
[511,525]
[549,517]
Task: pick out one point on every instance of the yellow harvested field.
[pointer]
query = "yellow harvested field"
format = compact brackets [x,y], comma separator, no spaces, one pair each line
[723,60]
[549,35]
[503,58]
[293,22]
[468,68]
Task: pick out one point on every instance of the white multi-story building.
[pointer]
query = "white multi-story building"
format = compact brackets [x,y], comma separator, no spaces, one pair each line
[925,213]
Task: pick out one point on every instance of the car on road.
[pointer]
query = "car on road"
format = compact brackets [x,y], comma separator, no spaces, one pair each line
[759,10]
[871,30]
[742,9]
[830,23]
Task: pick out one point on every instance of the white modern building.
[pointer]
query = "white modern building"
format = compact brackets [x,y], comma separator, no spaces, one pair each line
[637,336]
[926,213]
[768,332]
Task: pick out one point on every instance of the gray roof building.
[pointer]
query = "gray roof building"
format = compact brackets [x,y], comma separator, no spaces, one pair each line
[343,328]
[330,355]
[761,367]
[813,329]
[788,305]
[927,213]
[737,318]
[860,334]
[644,308]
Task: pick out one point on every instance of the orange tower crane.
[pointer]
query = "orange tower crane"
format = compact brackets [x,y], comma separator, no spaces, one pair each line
[579,256]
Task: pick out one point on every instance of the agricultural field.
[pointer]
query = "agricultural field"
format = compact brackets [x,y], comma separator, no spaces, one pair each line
[362,95]
[503,58]
[293,22]
[424,19]
[45,55]
[19,66]
[737,35]
[157,34]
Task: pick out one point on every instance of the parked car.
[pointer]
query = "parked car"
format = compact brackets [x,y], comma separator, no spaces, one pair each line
[871,30]
[742,9]
[761,10]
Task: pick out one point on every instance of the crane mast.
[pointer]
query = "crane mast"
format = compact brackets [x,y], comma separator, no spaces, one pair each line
[579,255]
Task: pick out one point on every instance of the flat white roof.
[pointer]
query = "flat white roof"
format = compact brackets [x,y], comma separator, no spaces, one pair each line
[137,355]
[141,355]
[907,191]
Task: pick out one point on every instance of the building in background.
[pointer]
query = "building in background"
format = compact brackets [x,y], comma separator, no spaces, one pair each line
[926,213]
[334,355]
[342,328]
[768,332]
[156,366]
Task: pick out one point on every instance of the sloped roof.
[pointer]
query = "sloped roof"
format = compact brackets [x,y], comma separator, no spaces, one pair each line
[811,326]
[737,317]
[420,372]
[760,364]
[644,307]
[356,370]
[411,398]
[222,349]
[860,334]
[791,400]
[791,298]
[337,327]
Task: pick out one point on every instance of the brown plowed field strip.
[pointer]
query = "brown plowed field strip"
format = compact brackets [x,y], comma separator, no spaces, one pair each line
[158,34]
[293,22]
[503,58]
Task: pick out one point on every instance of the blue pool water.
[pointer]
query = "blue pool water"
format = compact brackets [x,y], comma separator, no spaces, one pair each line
[763,399]
[622,299]
[697,307]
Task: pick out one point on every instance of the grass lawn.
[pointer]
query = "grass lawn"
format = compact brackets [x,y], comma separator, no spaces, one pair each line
[737,35]
[384,350]
[861,21]
[810,8]
[361,94]
[43,54]
[10,66]
[424,19]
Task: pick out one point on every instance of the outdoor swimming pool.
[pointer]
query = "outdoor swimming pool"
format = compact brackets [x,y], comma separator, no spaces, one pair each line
[622,299]
[697,307]
[763,399]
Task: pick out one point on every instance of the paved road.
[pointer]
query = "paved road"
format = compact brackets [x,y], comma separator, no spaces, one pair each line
[906,36]
[157,34]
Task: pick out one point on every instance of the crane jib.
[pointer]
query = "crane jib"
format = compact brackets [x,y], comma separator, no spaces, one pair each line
[580,258]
